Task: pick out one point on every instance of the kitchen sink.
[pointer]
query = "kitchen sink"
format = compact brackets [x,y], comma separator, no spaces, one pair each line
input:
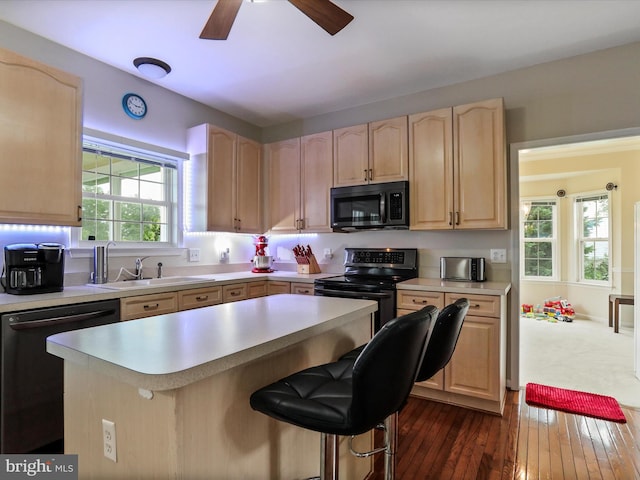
[150,282]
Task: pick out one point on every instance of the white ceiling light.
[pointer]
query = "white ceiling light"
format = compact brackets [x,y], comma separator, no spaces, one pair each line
[151,67]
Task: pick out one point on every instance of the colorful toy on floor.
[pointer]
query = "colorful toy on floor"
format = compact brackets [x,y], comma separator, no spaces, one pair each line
[559,308]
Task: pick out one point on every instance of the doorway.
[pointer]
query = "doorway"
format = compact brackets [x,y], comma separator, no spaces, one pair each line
[591,155]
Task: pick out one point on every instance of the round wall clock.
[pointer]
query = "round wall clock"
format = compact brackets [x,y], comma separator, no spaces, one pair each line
[134,106]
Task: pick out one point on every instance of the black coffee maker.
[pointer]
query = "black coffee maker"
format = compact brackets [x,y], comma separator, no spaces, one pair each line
[32,268]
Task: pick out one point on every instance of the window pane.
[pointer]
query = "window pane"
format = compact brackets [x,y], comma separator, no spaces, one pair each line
[130,232]
[151,191]
[124,168]
[128,211]
[596,260]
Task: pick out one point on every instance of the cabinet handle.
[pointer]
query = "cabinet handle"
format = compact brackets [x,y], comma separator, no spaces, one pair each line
[202,299]
[457,218]
[365,174]
[151,307]
[475,305]
[79,213]
[450,218]
[421,302]
[371,174]
[234,294]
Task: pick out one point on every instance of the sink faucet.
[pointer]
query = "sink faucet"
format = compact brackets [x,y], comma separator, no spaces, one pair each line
[138,273]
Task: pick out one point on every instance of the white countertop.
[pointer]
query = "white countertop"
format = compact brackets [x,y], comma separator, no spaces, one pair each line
[174,350]
[439,285]
[91,293]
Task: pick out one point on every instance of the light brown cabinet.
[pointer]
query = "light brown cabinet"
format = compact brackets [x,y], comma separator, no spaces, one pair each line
[302,288]
[199,297]
[142,306]
[231,187]
[277,287]
[476,375]
[234,293]
[457,167]
[300,176]
[257,289]
[371,153]
[41,143]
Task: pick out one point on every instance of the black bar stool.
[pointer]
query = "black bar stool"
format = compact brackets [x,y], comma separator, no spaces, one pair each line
[350,397]
[442,341]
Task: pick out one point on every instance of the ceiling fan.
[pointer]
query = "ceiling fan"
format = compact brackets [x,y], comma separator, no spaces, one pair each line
[324,12]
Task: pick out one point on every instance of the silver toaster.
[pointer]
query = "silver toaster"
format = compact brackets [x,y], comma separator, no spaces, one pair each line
[462,269]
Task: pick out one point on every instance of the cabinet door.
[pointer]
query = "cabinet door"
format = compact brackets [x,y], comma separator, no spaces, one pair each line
[351,156]
[276,287]
[248,182]
[474,369]
[221,154]
[148,305]
[316,164]
[431,170]
[284,185]
[234,293]
[257,289]
[302,288]
[480,170]
[199,297]
[388,150]
[41,143]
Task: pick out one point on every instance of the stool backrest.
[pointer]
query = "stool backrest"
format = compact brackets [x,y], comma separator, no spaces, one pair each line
[443,339]
[385,371]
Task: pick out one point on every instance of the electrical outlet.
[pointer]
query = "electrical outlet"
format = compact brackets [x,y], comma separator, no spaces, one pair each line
[498,255]
[109,439]
[194,254]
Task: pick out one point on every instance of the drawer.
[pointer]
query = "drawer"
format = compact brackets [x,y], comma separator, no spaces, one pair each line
[479,305]
[302,288]
[415,300]
[199,297]
[257,289]
[275,287]
[233,293]
[148,305]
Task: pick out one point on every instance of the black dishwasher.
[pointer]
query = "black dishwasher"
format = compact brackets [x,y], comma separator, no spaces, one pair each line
[31,380]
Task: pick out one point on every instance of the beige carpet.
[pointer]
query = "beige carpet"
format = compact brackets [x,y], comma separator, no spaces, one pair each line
[581,355]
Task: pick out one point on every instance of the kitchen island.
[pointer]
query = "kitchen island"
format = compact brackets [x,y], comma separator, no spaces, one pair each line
[177,387]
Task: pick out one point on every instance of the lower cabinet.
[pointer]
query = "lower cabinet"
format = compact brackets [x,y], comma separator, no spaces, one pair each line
[275,287]
[199,297]
[234,292]
[476,375]
[302,288]
[148,305]
[257,289]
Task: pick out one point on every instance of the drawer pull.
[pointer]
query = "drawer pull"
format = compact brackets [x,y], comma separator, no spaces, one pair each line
[235,294]
[151,307]
[202,298]
[421,302]
[475,305]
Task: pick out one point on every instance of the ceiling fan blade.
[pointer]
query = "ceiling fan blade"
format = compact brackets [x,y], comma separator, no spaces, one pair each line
[219,24]
[325,13]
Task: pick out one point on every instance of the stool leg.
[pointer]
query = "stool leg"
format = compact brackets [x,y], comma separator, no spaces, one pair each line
[391,442]
[329,460]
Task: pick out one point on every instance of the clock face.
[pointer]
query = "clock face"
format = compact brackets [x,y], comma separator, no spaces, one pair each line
[134,106]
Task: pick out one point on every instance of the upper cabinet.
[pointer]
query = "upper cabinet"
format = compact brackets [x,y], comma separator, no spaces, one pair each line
[372,153]
[300,176]
[457,167]
[230,190]
[40,143]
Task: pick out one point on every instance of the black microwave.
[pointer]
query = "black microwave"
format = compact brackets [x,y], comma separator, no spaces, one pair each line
[373,206]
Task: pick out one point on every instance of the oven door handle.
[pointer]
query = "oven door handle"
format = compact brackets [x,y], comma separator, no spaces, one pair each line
[347,294]
[47,322]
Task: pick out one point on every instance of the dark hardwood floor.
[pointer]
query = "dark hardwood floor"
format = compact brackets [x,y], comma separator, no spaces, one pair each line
[440,442]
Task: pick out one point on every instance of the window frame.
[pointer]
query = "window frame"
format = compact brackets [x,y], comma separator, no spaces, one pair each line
[554,240]
[580,239]
[173,190]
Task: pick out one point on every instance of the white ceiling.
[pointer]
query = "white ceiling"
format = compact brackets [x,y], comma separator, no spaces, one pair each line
[278,66]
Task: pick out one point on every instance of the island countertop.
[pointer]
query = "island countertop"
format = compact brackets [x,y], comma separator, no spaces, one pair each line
[170,351]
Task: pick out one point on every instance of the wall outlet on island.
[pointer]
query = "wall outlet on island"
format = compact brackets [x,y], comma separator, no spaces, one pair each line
[109,439]
[498,255]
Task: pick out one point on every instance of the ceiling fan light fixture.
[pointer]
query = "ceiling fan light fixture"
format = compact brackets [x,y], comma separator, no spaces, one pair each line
[152,67]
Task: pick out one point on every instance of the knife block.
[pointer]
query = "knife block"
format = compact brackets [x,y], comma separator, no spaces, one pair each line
[307,265]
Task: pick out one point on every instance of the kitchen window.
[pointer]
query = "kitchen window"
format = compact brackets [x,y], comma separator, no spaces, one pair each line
[539,239]
[593,233]
[128,195]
